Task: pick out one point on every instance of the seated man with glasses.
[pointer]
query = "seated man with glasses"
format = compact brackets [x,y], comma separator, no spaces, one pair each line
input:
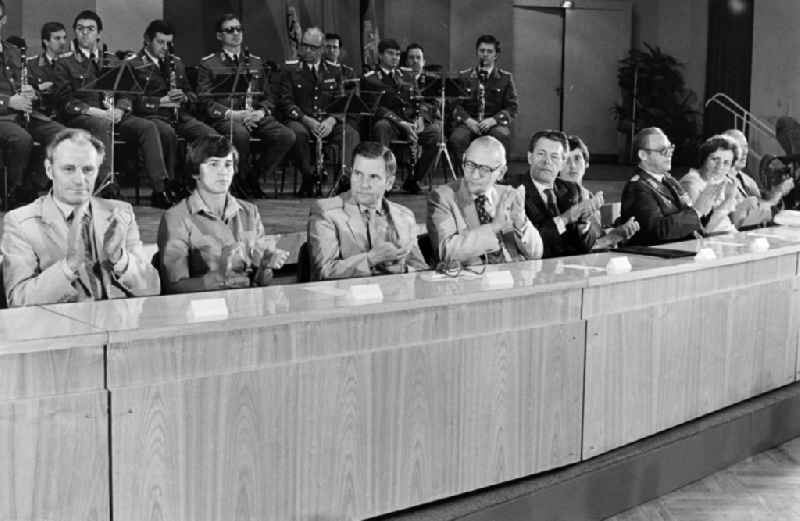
[474,220]
[558,208]
[656,199]
[360,233]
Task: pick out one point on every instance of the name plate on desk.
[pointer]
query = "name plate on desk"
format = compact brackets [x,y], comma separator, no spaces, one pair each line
[207,309]
[364,294]
[705,254]
[758,244]
[497,280]
[617,265]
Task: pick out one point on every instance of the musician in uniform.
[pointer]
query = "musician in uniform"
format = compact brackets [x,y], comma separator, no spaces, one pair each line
[167,96]
[397,115]
[242,116]
[491,100]
[306,89]
[20,126]
[332,53]
[77,70]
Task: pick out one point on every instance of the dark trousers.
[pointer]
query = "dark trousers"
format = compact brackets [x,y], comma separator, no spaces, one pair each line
[17,143]
[187,127]
[385,132]
[276,141]
[301,153]
[462,136]
[135,130]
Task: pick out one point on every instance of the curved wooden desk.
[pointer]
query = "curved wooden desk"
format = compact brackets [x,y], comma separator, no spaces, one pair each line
[303,404]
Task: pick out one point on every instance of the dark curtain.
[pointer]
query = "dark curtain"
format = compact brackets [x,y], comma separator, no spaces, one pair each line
[730,58]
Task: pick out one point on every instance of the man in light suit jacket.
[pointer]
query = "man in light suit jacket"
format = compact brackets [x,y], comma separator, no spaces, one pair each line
[68,246]
[360,233]
[474,219]
[556,207]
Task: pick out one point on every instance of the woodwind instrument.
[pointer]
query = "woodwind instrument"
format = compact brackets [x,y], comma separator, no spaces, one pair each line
[173,80]
[248,95]
[319,164]
[20,44]
[417,121]
[482,76]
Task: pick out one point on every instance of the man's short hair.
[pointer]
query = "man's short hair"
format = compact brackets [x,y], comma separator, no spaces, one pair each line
[227,17]
[88,14]
[49,28]
[77,135]
[641,138]
[552,135]
[387,44]
[714,143]
[158,26]
[575,142]
[209,146]
[490,39]
[333,36]
[2,8]
[374,150]
[487,141]
[414,45]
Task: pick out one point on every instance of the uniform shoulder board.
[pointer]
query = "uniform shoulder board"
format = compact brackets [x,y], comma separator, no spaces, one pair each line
[255,57]
[291,62]
[406,69]
[503,71]
[66,54]
[635,178]
[131,57]
[465,71]
[176,58]
[368,74]
[32,58]
[332,64]
[208,57]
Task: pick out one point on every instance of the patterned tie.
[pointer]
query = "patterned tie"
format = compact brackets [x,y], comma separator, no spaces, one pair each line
[481,203]
[552,206]
[91,273]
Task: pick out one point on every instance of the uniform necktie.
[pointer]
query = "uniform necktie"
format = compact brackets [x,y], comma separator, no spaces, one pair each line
[481,203]
[552,205]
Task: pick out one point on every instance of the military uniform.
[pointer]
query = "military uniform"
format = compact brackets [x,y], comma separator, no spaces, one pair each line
[74,72]
[155,80]
[663,209]
[397,106]
[304,94]
[277,140]
[500,103]
[16,141]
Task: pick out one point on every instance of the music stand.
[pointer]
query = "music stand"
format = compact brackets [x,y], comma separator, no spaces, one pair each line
[343,106]
[442,89]
[112,81]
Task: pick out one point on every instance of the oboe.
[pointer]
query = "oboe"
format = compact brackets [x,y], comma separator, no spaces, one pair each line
[416,119]
[319,166]
[482,76]
[173,80]
[248,95]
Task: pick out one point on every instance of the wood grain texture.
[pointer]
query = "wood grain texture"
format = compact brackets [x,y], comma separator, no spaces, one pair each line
[188,353]
[46,373]
[652,368]
[353,435]
[54,459]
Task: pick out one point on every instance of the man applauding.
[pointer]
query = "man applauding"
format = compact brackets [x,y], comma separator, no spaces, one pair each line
[67,245]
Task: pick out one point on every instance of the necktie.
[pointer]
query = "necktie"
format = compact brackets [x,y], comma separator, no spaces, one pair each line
[481,202]
[91,272]
[552,205]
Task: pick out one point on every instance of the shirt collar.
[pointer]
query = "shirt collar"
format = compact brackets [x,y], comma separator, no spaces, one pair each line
[491,195]
[65,209]
[197,205]
[89,55]
[542,187]
[231,56]
[388,72]
[657,177]
[152,58]
[380,209]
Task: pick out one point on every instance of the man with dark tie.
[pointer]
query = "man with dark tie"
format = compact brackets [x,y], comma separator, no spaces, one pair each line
[656,199]
[491,102]
[474,220]
[557,208]
[242,115]
[306,89]
[360,233]
[92,111]
[69,246]
[167,97]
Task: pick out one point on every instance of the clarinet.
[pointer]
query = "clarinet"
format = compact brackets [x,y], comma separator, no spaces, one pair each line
[482,76]
[248,96]
[416,118]
[173,80]
[319,166]
[23,72]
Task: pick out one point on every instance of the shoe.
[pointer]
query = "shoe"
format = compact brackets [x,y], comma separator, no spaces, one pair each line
[161,200]
[411,186]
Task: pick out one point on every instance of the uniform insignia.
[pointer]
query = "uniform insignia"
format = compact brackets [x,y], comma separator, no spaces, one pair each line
[291,62]
[465,71]
[370,73]
[503,71]
[332,64]
[406,69]
[65,54]
[635,178]
[208,57]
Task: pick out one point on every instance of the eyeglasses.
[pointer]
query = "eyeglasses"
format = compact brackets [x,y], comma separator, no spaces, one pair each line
[483,170]
[453,269]
[665,151]
[233,29]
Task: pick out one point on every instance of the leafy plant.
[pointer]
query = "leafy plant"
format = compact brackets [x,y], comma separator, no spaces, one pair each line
[656,81]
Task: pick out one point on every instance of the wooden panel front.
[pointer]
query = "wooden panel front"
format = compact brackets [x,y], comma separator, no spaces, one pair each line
[352,435]
[654,367]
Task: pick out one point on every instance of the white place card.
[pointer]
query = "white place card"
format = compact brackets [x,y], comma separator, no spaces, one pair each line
[497,280]
[617,265]
[758,244]
[705,254]
[207,309]
[365,293]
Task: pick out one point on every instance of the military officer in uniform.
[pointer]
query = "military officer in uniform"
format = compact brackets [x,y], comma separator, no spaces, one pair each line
[332,53]
[491,102]
[306,89]
[167,96]
[242,116]
[656,199]
[93,112]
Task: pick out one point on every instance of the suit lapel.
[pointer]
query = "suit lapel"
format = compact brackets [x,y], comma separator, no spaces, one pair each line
[55,225]
[467,205]
[397,220]
[534,198]
[355,223]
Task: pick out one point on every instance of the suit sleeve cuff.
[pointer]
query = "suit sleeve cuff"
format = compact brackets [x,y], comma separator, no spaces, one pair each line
[560,225]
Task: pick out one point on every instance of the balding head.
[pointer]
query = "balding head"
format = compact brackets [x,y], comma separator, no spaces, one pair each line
[311,45]
[738,137]
[484,164]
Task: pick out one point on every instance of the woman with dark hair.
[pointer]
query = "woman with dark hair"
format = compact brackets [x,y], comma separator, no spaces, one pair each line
[717,155]
[212,240]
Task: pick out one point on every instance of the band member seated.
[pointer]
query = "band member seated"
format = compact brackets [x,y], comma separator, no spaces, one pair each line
[573,171]
[80,108]
[397,116]
[306,89]
[21,121]
[244,116]
[658,202]
[212,240]
[758,206]
[332,53]
[168,97]
[491,103]
[556,207]
[360,233]
[69,246]
[474,220]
